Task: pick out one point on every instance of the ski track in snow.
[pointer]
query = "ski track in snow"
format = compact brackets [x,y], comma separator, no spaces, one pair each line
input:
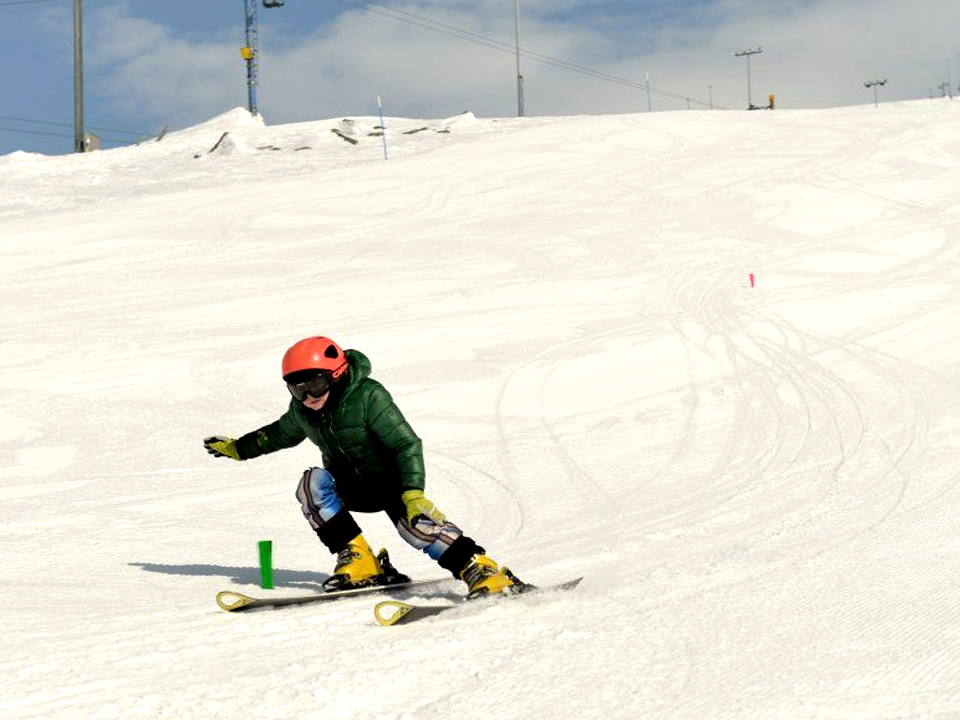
[759,484]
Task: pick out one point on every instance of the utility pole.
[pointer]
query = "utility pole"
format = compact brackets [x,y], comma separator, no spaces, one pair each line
[873,84]
[516,10]
[251,52]
[79,144]
[748,53]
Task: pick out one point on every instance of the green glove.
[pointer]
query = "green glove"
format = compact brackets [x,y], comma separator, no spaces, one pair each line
[220,446]
[417,504]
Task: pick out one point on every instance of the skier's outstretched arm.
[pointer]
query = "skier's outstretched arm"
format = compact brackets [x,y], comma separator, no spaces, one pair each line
[284,433]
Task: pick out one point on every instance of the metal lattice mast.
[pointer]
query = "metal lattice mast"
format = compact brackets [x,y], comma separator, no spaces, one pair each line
[251,53]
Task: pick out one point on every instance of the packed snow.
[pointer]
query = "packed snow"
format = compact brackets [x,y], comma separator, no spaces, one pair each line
[707,360]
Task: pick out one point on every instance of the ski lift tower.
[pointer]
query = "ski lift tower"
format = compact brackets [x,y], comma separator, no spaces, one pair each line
[250,53]
[748,54]
[873,84]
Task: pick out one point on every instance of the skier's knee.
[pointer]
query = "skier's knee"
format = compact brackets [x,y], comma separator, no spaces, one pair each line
[317,493]
[433,538]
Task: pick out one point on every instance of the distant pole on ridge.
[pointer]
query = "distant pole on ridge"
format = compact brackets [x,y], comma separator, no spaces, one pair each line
[250,52]
[383,126]
[873,84]
[78,132]
[516,11]
[747,54]
[649,94]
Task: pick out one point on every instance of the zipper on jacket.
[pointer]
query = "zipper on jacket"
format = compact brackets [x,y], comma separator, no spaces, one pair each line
[336,440]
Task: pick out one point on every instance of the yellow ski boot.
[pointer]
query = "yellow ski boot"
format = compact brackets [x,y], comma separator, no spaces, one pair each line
[484,577]
[357,566]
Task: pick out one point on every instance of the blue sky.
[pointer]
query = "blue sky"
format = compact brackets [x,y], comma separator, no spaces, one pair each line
[151,63]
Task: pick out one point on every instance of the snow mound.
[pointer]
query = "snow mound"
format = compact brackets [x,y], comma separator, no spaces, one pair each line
[464,119]
[19,158]
[353,128]
[231,121]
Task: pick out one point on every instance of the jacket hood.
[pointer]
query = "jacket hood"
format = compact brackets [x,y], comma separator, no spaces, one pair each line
[360,368]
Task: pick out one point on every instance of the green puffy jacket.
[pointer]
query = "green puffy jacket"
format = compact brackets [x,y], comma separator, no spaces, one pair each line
[366,443]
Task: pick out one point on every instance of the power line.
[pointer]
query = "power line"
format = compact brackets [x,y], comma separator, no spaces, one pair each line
[61,124]
[47,133]
[35,132]
[478,39]
[58,135]
[25,2]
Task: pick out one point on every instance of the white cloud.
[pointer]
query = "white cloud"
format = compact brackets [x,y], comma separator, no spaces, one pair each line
[817,53]
[142,69]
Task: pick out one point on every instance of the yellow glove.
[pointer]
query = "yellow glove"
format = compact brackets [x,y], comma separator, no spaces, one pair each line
[220,446]
[417,504]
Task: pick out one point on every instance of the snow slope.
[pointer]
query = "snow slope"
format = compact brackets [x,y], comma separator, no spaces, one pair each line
[760,484]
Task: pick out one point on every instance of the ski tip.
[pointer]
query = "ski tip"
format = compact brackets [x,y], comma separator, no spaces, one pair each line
[232,601]
[391,612]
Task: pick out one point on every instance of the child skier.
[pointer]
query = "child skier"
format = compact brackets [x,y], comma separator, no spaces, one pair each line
[372,462]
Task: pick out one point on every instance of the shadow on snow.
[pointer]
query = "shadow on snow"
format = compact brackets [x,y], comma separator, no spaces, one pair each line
[304,579]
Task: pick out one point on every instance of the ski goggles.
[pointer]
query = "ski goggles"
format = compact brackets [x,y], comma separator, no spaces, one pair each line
[317,386]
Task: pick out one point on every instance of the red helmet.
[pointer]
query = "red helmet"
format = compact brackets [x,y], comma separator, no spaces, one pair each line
[315,353]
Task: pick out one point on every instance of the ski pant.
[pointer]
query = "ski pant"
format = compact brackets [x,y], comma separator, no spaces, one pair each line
[328,510]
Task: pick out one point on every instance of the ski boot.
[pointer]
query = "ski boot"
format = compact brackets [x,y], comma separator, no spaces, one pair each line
[357,566]
[483,577]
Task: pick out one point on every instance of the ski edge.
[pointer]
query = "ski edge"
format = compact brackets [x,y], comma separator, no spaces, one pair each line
[394,612]
[233,601]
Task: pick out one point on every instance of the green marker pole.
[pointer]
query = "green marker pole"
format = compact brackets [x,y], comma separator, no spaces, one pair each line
[266,564]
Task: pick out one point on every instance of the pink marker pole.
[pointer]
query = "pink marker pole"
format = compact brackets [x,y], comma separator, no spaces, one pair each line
[752,281]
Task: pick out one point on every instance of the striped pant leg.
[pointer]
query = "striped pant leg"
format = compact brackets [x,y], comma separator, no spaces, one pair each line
[324,509]
[443,542]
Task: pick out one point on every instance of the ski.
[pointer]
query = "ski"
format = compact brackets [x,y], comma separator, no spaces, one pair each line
[394,612]
[232,601]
